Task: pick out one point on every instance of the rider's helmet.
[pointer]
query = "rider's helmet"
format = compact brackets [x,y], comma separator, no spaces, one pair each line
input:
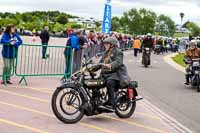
[111,40]
[193,44]
[149,35]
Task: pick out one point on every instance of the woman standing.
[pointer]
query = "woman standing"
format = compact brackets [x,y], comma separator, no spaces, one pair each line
[10,41]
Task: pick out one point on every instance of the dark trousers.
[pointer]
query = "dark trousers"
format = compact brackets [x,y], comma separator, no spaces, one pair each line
[111,88]
[187,76]
[136,52]
[44,49]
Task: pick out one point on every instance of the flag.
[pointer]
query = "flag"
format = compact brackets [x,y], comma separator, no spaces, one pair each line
[107,19]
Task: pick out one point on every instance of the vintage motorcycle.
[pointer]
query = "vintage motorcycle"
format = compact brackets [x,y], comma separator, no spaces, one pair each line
[146,61]
[85,93]
[194,72]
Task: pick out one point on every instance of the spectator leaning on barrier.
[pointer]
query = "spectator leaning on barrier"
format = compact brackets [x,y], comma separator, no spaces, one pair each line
[11,41]
[76,43]
[44,36]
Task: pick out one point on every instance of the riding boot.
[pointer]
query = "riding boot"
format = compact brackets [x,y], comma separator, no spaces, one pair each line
[187,79]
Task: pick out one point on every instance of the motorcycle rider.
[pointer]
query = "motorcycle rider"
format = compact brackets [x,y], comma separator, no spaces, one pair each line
[113,61]
[192,52]
[147,43]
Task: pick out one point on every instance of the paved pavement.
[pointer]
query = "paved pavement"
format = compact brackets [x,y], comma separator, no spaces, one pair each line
[164,86]
[27,109]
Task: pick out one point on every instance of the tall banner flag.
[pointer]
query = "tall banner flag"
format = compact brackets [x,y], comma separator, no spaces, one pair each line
[107,19]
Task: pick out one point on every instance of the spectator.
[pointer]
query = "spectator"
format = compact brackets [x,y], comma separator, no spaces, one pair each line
[11,41]
[75,43]
[136,46]
[44,36]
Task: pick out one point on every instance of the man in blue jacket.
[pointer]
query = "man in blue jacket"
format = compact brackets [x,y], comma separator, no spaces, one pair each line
[76,42]
[10,41]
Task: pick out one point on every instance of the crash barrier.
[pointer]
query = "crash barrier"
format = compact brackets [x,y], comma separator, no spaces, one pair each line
[7,61]
[43,60]
[126,45]
[88,53]
[36,60]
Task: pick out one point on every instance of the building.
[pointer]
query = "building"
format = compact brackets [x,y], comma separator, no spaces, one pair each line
[90,22]
[180,29]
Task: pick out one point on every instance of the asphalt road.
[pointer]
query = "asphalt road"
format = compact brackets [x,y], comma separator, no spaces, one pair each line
[28,110]
[164,87]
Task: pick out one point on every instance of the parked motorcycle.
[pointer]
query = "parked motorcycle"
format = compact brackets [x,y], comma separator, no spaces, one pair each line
[146,57]
[85,93]
[194,73]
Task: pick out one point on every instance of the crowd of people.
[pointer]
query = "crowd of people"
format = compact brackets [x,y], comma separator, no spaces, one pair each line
[86,44]
[125,41]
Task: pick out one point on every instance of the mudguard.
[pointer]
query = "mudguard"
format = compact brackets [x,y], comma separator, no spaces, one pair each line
[134,85]
[135,92]
[76,87]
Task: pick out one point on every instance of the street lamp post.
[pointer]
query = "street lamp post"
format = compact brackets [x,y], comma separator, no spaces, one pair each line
[182,16]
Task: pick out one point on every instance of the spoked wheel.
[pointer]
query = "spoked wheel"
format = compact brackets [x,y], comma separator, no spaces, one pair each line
[66,105]
[124,108]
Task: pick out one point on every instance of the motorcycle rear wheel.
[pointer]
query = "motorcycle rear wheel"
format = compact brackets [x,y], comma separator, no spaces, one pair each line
[125,109]
[132,107]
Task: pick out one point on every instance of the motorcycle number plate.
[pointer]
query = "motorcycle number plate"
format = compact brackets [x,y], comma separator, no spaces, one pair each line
[196,72]
[195,64]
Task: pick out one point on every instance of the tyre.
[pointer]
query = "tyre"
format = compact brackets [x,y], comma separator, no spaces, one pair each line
[198,83]
[145,63]
[198,88]
[125,109]
[66,103]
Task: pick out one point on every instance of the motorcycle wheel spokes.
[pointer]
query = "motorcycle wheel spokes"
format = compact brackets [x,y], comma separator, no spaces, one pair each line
[122,104]
[69,102]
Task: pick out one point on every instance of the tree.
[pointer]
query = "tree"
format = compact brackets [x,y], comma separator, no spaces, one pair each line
[185,24]
[76,26]
[62,19]
[165,25]
[35,19]
[58,27]
[116,24]
[138,21]
[194,28]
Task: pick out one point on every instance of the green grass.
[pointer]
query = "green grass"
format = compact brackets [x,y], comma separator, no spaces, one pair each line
[179,59]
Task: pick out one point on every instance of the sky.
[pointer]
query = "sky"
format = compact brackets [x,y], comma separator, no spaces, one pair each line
[94,8]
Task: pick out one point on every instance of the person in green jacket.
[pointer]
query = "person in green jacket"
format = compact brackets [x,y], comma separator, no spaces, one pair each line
[113,61]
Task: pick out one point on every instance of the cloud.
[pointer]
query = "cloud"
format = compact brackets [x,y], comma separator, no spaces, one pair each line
[94,8]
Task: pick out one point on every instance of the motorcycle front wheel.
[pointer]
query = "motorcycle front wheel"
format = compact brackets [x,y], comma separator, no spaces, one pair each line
[66,103]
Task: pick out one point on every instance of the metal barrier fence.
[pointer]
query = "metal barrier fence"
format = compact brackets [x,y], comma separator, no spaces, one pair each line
[40,60]
[90,52]
[7,61]
[31,61]
[126,45]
